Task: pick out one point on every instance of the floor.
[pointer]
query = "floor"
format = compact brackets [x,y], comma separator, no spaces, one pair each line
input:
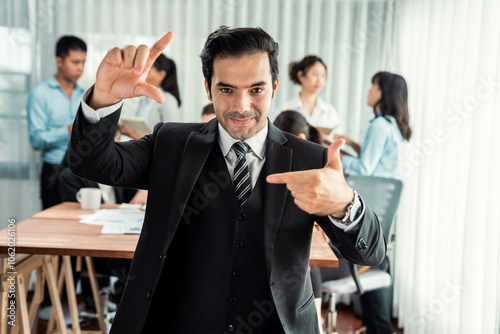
[347,321]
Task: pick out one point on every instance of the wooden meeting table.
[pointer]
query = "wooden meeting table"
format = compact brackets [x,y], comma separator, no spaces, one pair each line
[57,232]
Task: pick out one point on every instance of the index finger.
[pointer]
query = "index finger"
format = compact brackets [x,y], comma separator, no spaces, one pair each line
[158,48]
[290,177]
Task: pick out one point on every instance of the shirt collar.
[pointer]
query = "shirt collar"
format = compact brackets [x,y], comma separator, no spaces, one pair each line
[55,84]
[256,142]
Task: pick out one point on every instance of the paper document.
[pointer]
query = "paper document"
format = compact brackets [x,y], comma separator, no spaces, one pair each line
[116,221]
[137,124]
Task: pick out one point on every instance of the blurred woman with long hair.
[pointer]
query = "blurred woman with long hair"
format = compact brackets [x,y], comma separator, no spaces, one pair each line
[380,153]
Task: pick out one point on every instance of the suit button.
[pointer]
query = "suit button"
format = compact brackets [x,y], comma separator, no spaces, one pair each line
[362,244]
[234,300]
[237,273]
[230,328]
[161,255]
[242,217]
[240,244]
[148,294]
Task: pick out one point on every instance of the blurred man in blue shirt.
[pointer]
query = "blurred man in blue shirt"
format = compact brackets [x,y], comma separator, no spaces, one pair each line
[52,107]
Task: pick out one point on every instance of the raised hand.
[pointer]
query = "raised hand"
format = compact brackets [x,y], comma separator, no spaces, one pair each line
[122,74]
[319,191]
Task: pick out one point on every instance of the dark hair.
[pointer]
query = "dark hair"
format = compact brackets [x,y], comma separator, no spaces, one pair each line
[226,42]
[394,100]
[169,83]
[293,122]
[208,109]
[304,65]
[67,43]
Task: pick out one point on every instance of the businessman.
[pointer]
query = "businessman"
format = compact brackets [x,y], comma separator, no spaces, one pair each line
[232,203]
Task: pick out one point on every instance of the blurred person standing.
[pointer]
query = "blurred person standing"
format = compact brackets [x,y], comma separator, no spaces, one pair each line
[51,108]
[380,155]
[310,74]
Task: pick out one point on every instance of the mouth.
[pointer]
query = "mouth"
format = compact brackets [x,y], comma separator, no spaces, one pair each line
[241,121]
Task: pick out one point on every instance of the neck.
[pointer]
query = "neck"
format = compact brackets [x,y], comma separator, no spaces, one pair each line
[308,100]
[65,84]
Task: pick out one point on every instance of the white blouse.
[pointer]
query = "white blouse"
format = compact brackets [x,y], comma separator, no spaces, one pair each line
[324,114]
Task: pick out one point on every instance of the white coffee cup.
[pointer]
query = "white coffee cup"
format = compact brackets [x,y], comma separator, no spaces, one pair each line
[89,198]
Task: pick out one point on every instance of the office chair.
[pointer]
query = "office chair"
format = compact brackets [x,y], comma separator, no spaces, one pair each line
[382,195]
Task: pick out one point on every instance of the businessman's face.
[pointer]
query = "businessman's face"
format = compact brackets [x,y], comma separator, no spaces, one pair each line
[242,91]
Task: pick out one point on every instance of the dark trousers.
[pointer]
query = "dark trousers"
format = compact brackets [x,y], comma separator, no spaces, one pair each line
[376,308]
[49,189]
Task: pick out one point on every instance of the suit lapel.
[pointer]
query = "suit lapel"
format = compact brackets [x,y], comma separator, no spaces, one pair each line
[278,160]
[198,146]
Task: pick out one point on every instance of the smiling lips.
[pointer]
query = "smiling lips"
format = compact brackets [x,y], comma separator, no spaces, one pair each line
[241,121]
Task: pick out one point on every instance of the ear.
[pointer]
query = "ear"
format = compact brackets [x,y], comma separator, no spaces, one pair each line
[275,87]
[59,62]
[209,95]
[300,75]
[163,75]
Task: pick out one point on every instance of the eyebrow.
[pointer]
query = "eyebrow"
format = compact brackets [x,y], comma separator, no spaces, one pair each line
[223,84]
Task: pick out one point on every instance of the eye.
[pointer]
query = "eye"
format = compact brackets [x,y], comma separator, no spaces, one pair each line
[257,90]
[225,90]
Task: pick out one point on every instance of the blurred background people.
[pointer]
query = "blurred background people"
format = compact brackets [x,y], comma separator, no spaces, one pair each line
[163,74]
[208,113]
[51,109]
[381,153]
[310,74]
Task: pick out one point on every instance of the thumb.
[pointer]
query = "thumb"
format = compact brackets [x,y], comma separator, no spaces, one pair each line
[334,155]
[150,91]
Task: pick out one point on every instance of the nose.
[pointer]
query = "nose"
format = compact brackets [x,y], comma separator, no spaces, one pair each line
[241,102]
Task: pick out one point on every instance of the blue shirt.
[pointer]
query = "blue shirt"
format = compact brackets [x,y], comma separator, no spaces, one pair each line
[380,151]
[50,111]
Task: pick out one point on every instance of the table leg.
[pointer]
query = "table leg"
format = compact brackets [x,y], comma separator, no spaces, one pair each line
[54,296]
[95,294]
[22,304]
[70,292]
[37,296]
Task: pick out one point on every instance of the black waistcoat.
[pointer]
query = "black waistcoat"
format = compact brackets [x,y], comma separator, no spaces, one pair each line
[214,279]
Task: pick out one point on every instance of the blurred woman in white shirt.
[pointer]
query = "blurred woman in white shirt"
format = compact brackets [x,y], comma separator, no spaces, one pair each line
[310,74]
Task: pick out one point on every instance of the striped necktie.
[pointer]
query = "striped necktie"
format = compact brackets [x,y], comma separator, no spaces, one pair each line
[241,176]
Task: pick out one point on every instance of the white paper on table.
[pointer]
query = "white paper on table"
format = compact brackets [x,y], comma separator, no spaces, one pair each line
[132,206]
[112,228]
[116,220]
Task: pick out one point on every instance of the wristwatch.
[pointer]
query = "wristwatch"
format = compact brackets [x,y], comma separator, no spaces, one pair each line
[351,211]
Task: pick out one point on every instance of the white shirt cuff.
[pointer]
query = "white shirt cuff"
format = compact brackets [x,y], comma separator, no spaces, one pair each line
[357,213]
[94,116]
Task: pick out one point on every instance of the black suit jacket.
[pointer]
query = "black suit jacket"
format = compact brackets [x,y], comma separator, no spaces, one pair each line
[168,163]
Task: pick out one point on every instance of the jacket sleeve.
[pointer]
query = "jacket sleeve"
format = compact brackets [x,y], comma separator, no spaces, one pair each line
[94,155]
[364,244]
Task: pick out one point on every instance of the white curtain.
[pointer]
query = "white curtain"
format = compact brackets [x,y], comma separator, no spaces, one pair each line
[448,230]
[352,37]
